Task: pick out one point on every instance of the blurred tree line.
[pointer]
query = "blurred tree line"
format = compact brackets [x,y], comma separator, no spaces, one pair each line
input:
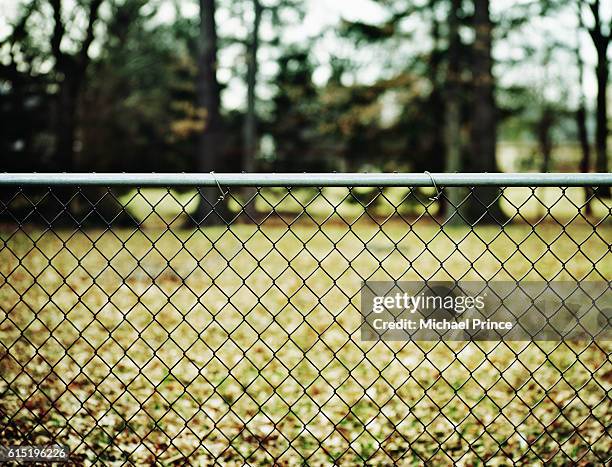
[105,85]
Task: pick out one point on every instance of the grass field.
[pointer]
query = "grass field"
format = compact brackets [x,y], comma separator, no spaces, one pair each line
[244,342]
[163,206]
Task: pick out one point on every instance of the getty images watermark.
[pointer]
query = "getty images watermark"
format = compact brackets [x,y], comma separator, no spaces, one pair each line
[486,311]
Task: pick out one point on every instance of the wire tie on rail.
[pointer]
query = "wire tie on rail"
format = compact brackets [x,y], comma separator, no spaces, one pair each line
[222,197]
[438,192]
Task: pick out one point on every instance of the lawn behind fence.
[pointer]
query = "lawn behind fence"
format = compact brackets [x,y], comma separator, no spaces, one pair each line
[243,342]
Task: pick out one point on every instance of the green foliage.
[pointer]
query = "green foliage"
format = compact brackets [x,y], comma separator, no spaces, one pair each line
[138,111]
[367,32]
[137,108]
[294,122]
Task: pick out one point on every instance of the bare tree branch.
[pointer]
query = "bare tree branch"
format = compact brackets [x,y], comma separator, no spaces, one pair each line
[58,32]
[94,8]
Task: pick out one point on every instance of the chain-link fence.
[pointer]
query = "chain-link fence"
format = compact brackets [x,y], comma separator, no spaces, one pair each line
[202,319]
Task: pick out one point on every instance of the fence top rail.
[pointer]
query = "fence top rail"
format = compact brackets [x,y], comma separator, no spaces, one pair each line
[310,179]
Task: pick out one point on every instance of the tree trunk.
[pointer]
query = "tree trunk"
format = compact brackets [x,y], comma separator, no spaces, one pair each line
[586,152]
[65,121]
[601,132]
[543,130]
[73,69]
[434,144]
[250,122]
[452,134]
[601,41]
[581,115]
[64,156]
[483,205]
[211,209]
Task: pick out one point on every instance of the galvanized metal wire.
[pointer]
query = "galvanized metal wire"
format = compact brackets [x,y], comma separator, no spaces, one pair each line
[144,323]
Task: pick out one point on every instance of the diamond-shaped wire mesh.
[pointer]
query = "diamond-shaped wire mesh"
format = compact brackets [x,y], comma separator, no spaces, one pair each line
[148,325]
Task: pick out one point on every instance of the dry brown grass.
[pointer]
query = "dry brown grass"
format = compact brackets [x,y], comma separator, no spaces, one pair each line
[244,343]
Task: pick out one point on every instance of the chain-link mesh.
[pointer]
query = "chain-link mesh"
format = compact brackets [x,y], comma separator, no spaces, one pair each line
[175,325]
